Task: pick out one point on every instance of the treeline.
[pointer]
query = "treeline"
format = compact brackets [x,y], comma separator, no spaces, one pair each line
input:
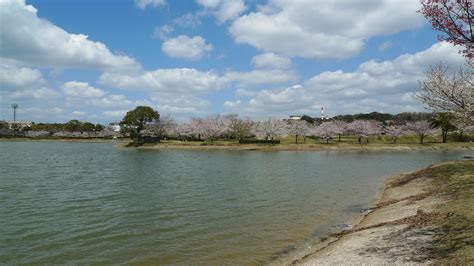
[383,117]
[70,126]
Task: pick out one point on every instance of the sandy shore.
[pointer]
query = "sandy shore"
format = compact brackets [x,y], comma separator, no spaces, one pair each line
[399,229]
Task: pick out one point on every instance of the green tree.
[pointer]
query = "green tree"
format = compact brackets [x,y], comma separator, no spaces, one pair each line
[136,119]
[87,126]
[445,122]
[99,127]
[73,126]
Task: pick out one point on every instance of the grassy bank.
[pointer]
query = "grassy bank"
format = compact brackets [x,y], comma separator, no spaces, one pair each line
[347,143]
[422,217]
[455,242]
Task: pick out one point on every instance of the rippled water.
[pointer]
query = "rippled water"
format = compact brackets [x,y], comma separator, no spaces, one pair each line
[84,203]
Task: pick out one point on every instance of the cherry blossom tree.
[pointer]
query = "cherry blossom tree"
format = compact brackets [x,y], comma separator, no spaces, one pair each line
[455,19]
[212,127]
[326,130]
[339,127]
[164,127]
[395,132]
[298,128]
[421,128]
[240,128]
[364,128]
[270,128]
[446,91]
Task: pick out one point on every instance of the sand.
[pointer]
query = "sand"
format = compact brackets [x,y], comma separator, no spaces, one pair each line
[386,235]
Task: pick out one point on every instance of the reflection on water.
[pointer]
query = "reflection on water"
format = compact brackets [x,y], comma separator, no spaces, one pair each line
[91,203]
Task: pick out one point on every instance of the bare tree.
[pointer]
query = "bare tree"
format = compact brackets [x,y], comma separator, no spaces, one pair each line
[446,91]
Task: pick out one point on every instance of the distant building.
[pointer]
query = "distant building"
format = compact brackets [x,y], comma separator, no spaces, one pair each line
[19,125]
[114,127]
[295,117]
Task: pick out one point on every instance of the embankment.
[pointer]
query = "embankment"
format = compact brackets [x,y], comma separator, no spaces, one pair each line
[422,217]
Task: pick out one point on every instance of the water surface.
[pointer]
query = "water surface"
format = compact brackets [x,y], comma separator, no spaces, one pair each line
[84,203]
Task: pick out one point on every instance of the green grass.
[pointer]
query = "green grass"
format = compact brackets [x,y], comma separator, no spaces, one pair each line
[455,245]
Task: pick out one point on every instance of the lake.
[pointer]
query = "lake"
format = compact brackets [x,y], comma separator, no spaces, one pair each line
[91,203]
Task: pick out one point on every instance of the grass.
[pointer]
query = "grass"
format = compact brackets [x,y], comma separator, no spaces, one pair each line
[456,241]
[347,142]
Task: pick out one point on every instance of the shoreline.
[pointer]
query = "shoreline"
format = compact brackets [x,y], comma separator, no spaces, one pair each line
[455,146]
[402,209]
[335,146]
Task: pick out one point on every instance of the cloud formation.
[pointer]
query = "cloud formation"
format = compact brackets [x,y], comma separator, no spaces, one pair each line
[33,41]
[383,86]
[224,10]
[184,47]
[323,29]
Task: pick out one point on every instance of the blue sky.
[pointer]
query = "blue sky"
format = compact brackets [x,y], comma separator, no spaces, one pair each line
[94,60]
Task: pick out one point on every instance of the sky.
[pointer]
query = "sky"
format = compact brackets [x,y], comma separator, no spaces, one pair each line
[94,60]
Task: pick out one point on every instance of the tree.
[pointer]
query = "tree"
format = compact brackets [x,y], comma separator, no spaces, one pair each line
[395,132]
[339,127]
[73,126]
[445,122]
[135,120]
[421,128]
[364,128]
[298,128]
[99,127]
[163,127]
[325,130]
[445,91]
[87,126]
[270,128]
[240,128]
[455,19]
[212,127]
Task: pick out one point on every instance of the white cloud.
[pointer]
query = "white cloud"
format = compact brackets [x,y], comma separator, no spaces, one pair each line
[185,47]
[173,81]
[224,10]
[232,104]
[32,94]
[181,106]
[187,20]
[323,29]
[114,114]
[12,77]
[78,113]
[111,101]
[260,76]
[142,4]
[384,46]
[385,86]
[81,89]
[271,60]
[33,41]
[162,32]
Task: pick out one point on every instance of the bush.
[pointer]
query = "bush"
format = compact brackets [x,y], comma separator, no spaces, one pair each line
[258,141]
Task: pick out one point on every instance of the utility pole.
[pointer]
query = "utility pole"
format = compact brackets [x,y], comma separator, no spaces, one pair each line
[14,106]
